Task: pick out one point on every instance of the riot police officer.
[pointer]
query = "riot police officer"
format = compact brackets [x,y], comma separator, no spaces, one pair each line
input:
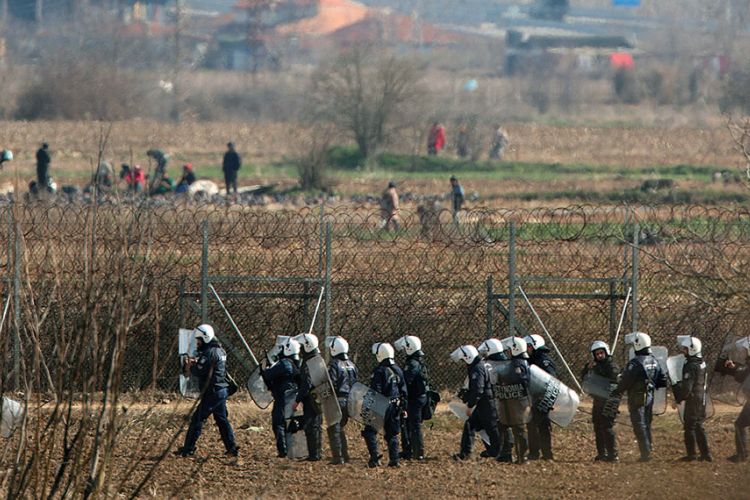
[540,427]
[388,380]
[282,379]
[210,368]
[692,390]
[515,391]
[741,374]
[493,353]
[640,378]
[417,385]
[343,375]
[480,400]
[604,410]
[312,414]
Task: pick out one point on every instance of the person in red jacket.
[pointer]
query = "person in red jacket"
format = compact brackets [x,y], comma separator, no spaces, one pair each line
[436,139]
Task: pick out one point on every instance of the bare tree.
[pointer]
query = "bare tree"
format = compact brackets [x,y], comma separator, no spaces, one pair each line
[364,93]
[739,129]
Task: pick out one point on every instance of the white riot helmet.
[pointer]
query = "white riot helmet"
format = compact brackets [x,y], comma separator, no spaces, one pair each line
[534,341]
[383,350]
[692,344]
[307,341]
[205,333]
[7,155]
[516,345]
[291,349]
[639,340]
[338,345]
[465,353]
[490,347]
[409,344]
[600,344]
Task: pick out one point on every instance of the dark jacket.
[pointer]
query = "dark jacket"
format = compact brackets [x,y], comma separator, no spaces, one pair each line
[211,367]
[305,382]
[480,387]
[608,369]
[43,158]
[540,357]
[417,378]
[231,163]
[343,375]
[282,377]
[187,178]
[641,376]
[388,379]
[692,387]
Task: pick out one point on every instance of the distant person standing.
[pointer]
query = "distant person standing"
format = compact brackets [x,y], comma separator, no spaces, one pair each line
[457,197]
[230,166]
[499,143]
[43,159]
[161,160]
[435,139]
[389,207]
[462,141]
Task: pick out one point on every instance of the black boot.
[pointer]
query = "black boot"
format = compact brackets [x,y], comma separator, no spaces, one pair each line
[393,454]
[417,441]
[700,437]
[334,441]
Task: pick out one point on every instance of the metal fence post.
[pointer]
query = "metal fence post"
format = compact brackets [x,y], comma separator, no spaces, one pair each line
[512,279]
[329,233]
[321,240]
[634,279]
[16,306]
[489,306]
[612,309]
[204,274]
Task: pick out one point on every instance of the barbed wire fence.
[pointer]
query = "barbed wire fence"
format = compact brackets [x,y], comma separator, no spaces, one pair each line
[449,282]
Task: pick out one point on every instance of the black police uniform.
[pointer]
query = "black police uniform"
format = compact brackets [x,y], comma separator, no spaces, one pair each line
[692,390]
[388,380]
[640,378]
[518,383]
[343,374]
[417,384]
[504,431]
[43,160]
[210,368]
[540,427]
[604,412]
[312,414]
[741,374]
[282,379]
[479,396]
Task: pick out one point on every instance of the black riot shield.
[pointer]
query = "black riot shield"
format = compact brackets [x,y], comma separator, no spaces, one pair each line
[548,394]
[186,347]
[513,403]
[323,392]
[601,387]
[367,406]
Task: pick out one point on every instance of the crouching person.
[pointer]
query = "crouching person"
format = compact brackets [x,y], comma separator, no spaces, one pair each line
[480,401]
[211,370]
[388,380]
[282,379]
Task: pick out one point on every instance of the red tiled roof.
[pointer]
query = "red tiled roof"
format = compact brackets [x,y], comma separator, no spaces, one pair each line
[396,28]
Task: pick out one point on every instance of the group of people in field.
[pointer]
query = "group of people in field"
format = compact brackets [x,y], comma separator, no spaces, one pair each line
[134,179]
[511,396]
[437,141]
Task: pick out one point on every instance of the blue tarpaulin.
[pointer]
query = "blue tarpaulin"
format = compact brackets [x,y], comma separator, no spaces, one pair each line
[626,3]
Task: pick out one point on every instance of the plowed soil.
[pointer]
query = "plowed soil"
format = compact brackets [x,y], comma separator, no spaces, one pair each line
[573,474]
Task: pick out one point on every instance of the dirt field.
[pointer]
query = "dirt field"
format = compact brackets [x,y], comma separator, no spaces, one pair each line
[259,473]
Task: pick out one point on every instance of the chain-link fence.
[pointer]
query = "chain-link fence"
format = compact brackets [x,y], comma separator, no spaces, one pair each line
[449,282]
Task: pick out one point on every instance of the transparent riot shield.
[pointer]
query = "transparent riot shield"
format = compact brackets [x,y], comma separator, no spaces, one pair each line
[367,406]
[597,386]
[674,368]
[296,442]
[661,354]
[722,385]
[513,403]
[186,347]
[12,415]
[548,394]
[256,386]
[323,391]
[458,408]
